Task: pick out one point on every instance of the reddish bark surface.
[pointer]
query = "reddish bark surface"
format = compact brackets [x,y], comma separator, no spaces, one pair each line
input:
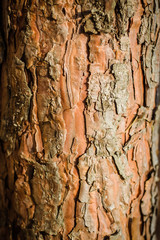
[79,120]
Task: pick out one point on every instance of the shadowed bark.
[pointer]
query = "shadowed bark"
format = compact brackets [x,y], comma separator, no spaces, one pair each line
[79,125]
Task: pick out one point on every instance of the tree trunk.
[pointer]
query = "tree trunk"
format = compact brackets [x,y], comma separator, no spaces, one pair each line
[79,119]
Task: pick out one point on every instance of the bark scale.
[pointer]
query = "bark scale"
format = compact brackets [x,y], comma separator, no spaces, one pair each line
[79,122]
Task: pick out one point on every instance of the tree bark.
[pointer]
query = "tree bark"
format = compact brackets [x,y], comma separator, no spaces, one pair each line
[79,123]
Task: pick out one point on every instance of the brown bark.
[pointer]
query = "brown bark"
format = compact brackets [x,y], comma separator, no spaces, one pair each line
[79,121]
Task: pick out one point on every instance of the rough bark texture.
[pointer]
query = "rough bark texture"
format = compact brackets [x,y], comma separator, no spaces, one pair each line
[79,123]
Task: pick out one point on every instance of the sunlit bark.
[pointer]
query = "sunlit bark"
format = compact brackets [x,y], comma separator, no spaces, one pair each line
[79,119]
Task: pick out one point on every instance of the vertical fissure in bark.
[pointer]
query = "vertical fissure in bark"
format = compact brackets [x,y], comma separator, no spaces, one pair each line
[87,85]
[29,82]
[144,78]
[67,76]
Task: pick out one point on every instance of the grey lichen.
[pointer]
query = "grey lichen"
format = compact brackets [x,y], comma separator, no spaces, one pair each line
[104,92]
[107,16]
[124,11]
[48,194]
[17,109]
[122,165]
[53,59]
[124,43]
[121,73]
[89,26]
[145,30]
[155,137]
[100,20]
